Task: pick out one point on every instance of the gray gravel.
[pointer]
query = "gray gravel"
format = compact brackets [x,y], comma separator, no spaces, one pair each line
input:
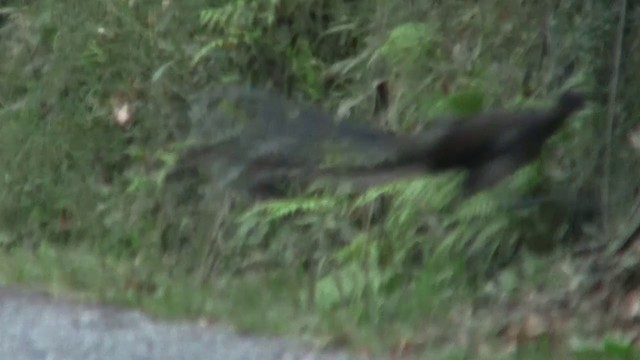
[37,326]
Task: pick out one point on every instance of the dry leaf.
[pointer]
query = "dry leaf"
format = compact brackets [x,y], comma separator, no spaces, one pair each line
[122,109]
[634,139]
[630,305]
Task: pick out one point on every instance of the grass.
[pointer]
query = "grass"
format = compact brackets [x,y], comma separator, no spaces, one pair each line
[80,181]
[85,276]
[258,304]
[266,303]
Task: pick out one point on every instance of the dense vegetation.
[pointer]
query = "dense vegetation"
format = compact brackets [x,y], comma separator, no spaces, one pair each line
[82,204]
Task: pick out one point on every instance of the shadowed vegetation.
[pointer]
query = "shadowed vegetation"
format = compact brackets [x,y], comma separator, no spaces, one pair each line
[98,97]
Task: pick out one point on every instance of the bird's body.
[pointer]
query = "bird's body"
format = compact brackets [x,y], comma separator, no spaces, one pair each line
[256,141]
[493,145]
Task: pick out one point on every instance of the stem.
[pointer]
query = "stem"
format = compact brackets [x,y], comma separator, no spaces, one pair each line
[613,93]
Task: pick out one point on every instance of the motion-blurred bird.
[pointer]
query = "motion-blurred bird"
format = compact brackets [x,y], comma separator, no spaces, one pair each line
[260,142]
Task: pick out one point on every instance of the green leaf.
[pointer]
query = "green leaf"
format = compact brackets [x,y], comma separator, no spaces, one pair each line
[406,43]
[468,102]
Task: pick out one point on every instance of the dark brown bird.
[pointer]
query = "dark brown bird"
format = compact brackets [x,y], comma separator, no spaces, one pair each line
[261,142]
[493,145]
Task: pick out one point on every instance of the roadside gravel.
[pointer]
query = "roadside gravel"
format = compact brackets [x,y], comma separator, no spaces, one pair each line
[36,326]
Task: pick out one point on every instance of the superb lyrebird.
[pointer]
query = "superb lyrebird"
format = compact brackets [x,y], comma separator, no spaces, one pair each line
[258,141]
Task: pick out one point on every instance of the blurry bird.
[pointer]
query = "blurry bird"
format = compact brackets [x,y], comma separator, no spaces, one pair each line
[263,143]
[493,145]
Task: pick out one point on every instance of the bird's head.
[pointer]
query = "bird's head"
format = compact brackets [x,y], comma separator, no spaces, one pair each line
[570,102]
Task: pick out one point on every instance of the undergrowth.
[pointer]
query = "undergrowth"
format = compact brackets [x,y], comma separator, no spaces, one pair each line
[392,258]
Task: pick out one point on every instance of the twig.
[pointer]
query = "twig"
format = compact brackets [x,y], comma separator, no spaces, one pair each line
[613,93]
[627,241]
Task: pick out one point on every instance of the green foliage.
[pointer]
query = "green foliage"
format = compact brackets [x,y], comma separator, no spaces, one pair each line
[286,43]
[241,23]
[397,256]
[407,45]
[610,348]
[466,102]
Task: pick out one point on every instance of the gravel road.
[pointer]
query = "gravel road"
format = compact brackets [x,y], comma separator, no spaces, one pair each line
[35,326]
